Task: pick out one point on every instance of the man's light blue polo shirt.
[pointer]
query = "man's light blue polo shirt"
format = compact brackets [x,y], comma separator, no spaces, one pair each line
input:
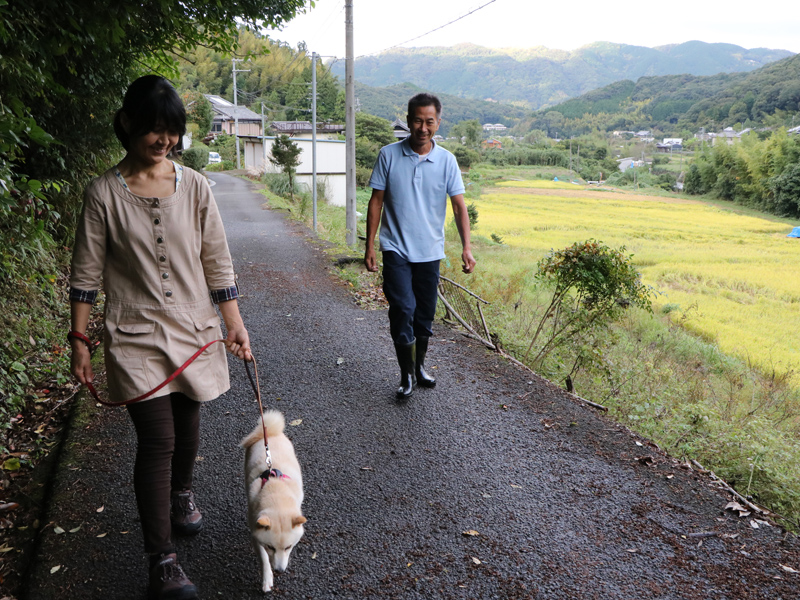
[415,199]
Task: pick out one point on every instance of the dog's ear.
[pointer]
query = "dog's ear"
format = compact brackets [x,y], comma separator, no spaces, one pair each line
[298,520]
[263,521]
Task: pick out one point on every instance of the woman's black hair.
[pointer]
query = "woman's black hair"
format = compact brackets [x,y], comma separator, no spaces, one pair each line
[150,101]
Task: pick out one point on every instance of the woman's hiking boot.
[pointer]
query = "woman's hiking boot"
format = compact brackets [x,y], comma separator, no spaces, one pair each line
[184,514]
[168,581]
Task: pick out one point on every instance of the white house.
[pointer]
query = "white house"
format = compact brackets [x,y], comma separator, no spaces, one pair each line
[330,163]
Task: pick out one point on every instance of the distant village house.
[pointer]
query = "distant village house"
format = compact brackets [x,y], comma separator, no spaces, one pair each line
[225,115]
[400,129]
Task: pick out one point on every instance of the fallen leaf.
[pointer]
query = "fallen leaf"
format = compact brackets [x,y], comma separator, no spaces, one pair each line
[296,422]
[763,523]
[639,444]
[55,569]
[8,506]
[514,485]
[476,561]
[12,464]
[670,476]
[339,360]
[409,564]
[101,509]
[75,530]
[102,535]
[367,469]
[735,506]
[789,569]
[645,460]
[314,556]
[57,530]
[753,524]
[470,532]
[632,550]
[6,548]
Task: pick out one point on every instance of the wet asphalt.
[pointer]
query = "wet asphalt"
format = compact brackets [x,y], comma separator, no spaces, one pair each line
[495,484]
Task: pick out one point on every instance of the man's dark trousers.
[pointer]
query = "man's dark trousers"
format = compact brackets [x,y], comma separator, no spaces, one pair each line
[410,289]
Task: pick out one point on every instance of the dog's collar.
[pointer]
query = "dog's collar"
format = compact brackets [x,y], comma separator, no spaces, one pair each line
[273,473]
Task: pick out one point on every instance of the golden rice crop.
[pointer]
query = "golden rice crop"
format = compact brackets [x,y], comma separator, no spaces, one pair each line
[735,277]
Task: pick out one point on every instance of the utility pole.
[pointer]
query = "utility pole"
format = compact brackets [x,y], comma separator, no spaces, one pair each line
[314,137]
[263,139]
[235,105]
[350,127]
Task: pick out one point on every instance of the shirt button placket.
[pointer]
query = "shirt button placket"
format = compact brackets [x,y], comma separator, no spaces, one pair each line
[161,250]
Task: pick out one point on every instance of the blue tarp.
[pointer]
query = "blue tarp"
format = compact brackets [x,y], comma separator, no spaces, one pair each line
[795,233]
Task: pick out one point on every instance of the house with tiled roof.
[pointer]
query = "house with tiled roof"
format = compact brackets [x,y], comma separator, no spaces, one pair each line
[226,114]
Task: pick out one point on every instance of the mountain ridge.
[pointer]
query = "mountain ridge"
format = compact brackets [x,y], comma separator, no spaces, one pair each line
[538,77]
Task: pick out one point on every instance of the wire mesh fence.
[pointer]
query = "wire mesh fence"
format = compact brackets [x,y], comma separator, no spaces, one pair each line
[464,306]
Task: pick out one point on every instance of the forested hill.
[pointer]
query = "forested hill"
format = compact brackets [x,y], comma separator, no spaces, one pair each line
[674,103]
[538,77]
[391,102]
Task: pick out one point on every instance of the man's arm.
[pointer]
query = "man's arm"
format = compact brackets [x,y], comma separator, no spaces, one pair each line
[462,223]
[373,221]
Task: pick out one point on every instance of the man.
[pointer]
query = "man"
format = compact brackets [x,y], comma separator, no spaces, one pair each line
[410,184]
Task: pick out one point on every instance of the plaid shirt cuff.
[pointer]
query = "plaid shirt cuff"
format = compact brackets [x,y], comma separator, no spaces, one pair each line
[231,293]
[87,297]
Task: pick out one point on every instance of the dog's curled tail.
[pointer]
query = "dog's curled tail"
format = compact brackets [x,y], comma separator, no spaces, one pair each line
[274,422]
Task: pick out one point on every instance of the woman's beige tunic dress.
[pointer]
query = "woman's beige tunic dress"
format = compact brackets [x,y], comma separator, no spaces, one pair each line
[158,259]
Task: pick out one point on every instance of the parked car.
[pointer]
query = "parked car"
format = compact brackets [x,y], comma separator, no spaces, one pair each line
[214,157]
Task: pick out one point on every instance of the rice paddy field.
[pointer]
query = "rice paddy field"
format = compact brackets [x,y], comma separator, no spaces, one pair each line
[732,278]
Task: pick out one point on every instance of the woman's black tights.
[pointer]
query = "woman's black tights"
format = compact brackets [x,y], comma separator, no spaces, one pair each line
[168,434]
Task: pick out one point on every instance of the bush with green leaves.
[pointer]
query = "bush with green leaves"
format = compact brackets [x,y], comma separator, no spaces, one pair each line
[592,284]
[472,212]
[196,157]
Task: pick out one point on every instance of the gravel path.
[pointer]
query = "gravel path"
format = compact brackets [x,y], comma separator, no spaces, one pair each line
[565,504]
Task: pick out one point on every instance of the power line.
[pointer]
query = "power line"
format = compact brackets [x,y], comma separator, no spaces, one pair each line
[432,30]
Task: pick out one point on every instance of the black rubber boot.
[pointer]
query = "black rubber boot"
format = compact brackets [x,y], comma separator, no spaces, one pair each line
[423,377]
[406,354]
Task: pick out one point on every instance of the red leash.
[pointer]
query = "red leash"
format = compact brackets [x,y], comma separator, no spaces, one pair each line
[181,369]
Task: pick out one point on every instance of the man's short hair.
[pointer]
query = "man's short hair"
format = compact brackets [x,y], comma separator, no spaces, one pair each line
[424,99]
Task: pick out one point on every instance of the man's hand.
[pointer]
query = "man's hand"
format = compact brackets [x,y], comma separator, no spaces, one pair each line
[370,261]
[467,261]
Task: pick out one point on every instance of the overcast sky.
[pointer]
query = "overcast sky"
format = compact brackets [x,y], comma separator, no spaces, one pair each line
[381,24]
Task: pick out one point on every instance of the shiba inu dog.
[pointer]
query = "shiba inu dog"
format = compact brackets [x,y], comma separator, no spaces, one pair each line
[273,497]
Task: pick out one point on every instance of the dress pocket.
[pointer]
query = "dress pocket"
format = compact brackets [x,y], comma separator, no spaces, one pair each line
[136,339]
[208,329]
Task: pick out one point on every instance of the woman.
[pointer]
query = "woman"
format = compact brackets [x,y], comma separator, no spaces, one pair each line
[151,231]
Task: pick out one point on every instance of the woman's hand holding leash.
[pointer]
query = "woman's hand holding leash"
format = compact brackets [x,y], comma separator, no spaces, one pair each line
[238,344]
[238,341]
[81,363]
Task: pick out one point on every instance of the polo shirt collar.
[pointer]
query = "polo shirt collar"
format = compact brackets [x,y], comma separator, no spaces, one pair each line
[408,151]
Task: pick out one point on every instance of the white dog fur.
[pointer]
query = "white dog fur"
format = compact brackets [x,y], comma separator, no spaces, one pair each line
[273,506]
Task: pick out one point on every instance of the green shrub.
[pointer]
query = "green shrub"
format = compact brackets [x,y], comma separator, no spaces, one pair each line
[196,157]
[472,211]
